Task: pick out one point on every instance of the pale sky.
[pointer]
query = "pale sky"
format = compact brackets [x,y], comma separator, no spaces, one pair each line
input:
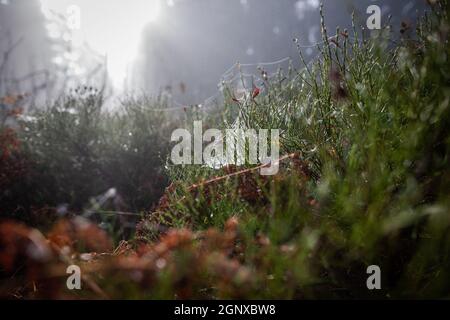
[110,27]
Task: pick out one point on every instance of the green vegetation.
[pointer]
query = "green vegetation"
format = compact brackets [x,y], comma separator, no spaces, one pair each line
[367,128]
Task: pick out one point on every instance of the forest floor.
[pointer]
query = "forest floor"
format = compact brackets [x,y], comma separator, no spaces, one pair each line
[364,180]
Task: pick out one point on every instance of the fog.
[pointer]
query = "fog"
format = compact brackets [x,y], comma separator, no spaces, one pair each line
[180,48]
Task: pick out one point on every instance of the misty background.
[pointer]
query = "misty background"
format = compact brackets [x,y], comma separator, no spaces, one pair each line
[179,48]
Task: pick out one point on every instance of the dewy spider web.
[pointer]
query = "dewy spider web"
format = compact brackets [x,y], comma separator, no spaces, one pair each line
[240,74]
